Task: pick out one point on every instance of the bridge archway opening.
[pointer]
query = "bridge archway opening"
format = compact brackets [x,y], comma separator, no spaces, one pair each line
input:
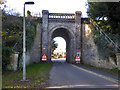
[66,35]
[59,54]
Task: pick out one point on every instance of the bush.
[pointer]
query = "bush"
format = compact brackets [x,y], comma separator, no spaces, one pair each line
[116,70]
[5,57]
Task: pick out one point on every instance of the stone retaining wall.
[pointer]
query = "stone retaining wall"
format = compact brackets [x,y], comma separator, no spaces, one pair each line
[34,55]
[90,53]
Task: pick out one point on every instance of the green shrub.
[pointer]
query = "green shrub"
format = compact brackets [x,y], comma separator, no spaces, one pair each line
[116,70]
[5,57]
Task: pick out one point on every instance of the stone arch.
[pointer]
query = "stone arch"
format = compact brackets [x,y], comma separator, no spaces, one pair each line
[68,34]
[61,26]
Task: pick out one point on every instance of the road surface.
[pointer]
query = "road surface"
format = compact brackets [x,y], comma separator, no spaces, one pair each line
[64,75]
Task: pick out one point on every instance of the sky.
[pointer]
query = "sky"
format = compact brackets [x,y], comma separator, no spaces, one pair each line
[54,6]
[61,43]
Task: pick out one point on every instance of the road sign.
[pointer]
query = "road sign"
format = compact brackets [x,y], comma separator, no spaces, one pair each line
[44,57]
[79,53]
[77,58]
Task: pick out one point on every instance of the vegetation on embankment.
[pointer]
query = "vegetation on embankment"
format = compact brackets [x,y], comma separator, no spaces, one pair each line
[106,15]
[37,74]
[12,35]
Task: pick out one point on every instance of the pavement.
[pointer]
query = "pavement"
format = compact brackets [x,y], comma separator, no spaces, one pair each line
[65,75]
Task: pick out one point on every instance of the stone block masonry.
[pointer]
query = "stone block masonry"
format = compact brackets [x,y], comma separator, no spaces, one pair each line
[34,55]
[90,53]
[66,25]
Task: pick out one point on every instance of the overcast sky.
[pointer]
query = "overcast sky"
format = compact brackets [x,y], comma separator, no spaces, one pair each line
[54,6]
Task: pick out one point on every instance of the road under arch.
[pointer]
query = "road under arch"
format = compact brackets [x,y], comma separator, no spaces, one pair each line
[64,33]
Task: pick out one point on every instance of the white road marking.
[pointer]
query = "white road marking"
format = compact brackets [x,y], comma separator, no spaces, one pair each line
[85,85]
[102,76]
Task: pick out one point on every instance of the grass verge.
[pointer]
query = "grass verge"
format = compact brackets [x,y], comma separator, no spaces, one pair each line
[113,71]
[37,74]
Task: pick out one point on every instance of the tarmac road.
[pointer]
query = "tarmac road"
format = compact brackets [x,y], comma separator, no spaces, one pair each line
[64,75]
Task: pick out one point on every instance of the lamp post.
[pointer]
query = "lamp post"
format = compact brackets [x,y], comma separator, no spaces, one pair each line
[24,49]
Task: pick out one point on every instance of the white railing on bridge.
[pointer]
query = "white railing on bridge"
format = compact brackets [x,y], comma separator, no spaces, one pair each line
[61,16]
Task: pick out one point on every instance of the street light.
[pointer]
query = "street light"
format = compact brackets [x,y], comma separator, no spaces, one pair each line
[24,49]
